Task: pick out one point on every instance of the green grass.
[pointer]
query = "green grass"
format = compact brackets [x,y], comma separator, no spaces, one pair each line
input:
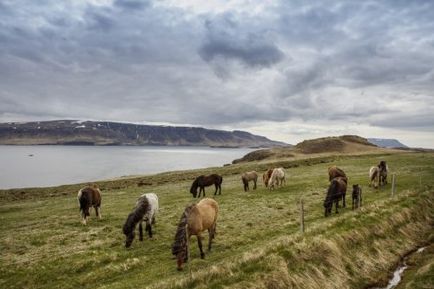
[44,245]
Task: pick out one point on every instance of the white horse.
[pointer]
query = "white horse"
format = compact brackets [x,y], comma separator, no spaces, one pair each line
[277,178]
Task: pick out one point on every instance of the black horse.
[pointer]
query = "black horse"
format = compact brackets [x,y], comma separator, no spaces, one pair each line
[335,193]
[357,196]
[205,181]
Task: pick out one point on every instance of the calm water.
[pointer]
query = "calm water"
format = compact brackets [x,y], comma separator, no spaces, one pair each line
[57,165]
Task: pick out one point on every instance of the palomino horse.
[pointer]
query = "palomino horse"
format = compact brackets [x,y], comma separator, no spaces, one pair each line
[336,191]
[356,197]
[335,172]
[374,176]
[277,178]
[205,181]
[87,197]
[145,211]
[195,219]
[247,177]
[266,176]
[383,173]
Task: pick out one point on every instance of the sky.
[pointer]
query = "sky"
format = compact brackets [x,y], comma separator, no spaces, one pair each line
[288,70]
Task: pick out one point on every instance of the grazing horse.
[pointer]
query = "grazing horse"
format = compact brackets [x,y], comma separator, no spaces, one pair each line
[145,211]
[277,178]
[374,176]
[266,176]
[195,219]
[247,177]
[87,197]
[335,172]
[335,192]
[356,197]
[383,173]
[205,181]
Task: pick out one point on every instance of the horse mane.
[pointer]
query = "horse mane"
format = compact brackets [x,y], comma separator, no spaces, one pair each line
[180,243]
[136,215]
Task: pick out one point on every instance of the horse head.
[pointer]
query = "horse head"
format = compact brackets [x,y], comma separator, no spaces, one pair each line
[193,189]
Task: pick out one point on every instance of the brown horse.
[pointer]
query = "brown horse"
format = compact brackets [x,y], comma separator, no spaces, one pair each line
[383,173]
[205,181]
[336,191]
[195,219]
[247,177]
[266,176]
[89,196]
[335,172]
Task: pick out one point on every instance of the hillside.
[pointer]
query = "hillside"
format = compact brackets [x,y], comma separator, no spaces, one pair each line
[258,242]
[387,143]
[346,144]
[70,132]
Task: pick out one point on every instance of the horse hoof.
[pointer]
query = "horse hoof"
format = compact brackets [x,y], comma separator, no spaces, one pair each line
[202,256]
[179,269]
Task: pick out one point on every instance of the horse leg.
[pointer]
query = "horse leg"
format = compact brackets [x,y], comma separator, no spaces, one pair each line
[140,231]
[343,200]
[149,229]
[199,243]
[254,184]
[220,189]
[153,220]
[216,189]
[337,205]
[98,212]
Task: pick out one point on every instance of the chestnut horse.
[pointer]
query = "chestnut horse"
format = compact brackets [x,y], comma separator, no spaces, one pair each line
[145,211]
[247,177]
[266,176]
[205,181]
[336,191]
[87,197]
[335,172]
[195,219]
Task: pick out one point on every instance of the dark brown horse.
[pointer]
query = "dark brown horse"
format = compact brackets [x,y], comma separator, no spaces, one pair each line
[356,197]
[195,219]
[336,192]
[206,181]
[89,196]
[383,173]
[335,172]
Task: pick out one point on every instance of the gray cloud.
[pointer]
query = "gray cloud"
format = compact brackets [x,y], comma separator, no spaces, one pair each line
[364,62]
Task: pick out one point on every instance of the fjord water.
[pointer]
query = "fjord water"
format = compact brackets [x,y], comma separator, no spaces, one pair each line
[39,166]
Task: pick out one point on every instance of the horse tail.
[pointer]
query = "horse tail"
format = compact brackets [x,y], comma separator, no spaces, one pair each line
[220,180]
[83,200]
[180,243]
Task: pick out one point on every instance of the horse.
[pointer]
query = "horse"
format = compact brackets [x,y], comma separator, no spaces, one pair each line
[195,219]
[278,176]
[266,176]
[87,197]
[205,181]
[383,173]
[356,197]
[145,211]
[337,190]
[247,177]
[335,172]
[374,176]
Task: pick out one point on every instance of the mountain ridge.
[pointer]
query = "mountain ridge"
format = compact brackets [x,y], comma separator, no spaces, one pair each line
[75,132]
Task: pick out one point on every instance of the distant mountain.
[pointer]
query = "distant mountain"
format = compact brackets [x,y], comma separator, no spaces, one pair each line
[70,132]
[387,143]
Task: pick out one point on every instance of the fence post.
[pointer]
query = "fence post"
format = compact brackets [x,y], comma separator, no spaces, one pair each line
[188,251]
[393,184]
[302,215]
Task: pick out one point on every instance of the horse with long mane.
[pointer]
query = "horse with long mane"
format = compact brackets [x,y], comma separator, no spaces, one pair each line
[195,219]
[145,210]
[277,178]
[87,197]
[335,172]
[374,176]
[247,177]
[383,173]
[336,192]
[205,181]
[266,177]
[356,197]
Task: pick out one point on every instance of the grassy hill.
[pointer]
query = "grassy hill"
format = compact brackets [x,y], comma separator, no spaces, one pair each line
[258,242]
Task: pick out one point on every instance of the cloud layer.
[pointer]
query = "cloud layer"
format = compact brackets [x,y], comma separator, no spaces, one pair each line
[325,65]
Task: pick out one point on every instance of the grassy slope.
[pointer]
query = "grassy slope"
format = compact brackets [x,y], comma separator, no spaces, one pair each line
[43,244]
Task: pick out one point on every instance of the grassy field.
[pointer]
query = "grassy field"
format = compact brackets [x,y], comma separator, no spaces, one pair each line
[258,243]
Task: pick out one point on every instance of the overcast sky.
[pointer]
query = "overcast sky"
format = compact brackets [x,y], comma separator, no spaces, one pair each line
[289,70]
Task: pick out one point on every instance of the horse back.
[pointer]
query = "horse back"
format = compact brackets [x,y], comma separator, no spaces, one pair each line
[90,196]
[205,214]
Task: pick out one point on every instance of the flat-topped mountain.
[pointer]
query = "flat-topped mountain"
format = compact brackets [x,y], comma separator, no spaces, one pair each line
[71,132]
[387,143]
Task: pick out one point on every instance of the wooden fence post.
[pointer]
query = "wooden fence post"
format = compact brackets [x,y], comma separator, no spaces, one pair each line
[393,184]
[302,215]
